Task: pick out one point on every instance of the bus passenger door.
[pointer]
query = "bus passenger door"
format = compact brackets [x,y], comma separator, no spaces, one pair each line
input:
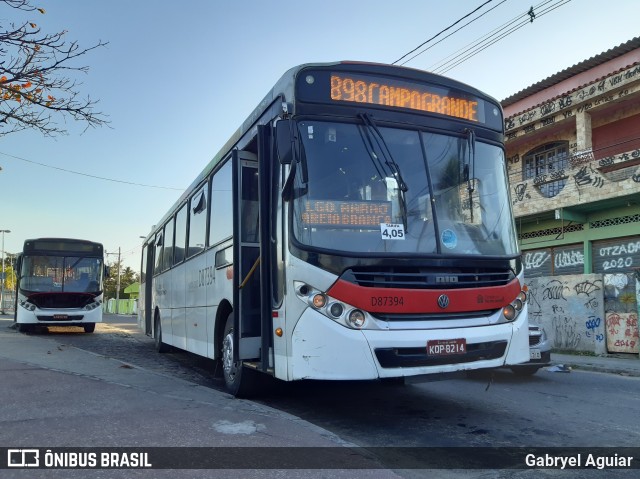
[246,253]
[147,274]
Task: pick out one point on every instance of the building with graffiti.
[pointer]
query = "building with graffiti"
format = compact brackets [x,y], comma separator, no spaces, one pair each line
[573,149]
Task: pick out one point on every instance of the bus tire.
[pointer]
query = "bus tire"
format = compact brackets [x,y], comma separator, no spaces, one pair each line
[524,371]
[157,336]
[239,380]
[89,327]
[25,327]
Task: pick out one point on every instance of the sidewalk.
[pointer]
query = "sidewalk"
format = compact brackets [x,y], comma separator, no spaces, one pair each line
[626,365]
[54,396]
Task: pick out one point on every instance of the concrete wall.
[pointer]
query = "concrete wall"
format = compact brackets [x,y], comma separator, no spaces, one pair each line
[571,310]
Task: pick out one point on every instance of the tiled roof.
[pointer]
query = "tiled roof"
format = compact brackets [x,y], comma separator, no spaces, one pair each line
[585,65]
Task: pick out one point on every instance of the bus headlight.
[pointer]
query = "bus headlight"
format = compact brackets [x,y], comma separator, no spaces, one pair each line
[318,300]
[342,313]
[28,306]
[356,318]
[336,310]
[518,305]
[511,311]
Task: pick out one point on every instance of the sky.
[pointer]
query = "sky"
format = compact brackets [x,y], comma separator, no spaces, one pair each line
[176,80]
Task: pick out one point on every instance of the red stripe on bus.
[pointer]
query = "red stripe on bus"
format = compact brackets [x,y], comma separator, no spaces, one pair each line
[397,300]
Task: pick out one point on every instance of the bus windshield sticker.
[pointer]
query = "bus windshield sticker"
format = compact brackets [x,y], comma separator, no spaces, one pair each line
[346,214]
[392,231]
[449,239]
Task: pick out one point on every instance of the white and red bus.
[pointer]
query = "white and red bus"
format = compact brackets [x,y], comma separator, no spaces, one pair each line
[358,225]
[60,283]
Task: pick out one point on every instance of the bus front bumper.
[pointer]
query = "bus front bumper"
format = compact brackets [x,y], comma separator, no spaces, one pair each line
[62,317]
[324,349]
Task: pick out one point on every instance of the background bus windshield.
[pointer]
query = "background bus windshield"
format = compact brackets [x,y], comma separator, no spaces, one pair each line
[67,274]
[382,190]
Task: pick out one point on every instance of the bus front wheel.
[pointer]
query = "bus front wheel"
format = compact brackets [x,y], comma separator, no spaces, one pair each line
[238,379]
[89,327]
[157,336]
[26,327]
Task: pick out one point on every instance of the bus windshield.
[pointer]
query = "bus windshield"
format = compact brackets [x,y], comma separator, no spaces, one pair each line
[64,274]
[365,189]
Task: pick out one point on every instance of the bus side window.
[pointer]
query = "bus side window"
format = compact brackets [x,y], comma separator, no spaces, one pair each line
[181,235]
[159,251]
[250,207]
[221,208]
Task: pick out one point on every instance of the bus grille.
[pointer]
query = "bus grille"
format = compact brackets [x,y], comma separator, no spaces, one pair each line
[61,300]
[416,357]
[428,277]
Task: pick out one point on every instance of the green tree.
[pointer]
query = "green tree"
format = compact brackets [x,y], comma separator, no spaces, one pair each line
[35,68]
[127,278]
[9,274]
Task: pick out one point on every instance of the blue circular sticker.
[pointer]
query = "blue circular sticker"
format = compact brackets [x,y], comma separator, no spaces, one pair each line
[449,239]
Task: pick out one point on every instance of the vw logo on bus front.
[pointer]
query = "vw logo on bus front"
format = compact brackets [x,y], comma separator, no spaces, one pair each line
[443,301]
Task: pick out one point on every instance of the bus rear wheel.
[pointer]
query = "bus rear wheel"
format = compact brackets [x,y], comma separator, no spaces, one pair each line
[238,379]
[157,336]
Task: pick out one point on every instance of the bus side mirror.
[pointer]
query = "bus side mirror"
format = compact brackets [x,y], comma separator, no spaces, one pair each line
[107,271]
[284,148]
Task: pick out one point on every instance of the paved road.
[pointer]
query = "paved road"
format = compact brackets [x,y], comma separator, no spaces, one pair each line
[550,409]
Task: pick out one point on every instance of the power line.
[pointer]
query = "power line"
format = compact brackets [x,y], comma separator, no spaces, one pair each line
[485,42]
[88,175]
[452,33]
[482,38]
[441,32]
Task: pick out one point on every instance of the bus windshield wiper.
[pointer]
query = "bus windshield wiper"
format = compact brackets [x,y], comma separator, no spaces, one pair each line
[372,130]
[384,149]
[470,166]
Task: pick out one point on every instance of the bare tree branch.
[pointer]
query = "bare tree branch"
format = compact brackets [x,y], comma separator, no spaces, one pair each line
[35,89]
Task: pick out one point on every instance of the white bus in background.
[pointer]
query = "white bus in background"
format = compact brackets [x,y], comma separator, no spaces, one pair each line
[59,283]
[356,226]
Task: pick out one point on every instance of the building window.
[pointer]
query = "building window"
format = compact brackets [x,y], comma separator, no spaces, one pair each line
[546,165]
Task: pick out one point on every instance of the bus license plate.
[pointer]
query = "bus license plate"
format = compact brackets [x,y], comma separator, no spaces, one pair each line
[534,354]
[60,316]
[446,347]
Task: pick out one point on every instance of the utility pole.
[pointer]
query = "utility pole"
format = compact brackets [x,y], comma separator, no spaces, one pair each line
[3,273]
[118,285]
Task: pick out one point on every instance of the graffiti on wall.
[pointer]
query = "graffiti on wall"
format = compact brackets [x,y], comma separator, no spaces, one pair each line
[571,310]
[575,102]
[621,311]
[587,176]
[622,332]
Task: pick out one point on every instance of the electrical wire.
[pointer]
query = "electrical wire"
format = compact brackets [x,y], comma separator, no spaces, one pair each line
[484,43]
[88,175]
[442,31]
[452,33]
[486,36]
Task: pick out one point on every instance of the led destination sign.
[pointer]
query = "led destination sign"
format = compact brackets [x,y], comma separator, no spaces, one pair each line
[403,94]
[346,214]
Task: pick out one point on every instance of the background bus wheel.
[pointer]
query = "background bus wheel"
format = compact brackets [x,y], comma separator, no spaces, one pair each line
[238,379]
[160,346]
[25,328]
[89,327]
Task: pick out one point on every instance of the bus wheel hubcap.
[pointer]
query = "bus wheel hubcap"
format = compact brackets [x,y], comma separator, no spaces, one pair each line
[227,357]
